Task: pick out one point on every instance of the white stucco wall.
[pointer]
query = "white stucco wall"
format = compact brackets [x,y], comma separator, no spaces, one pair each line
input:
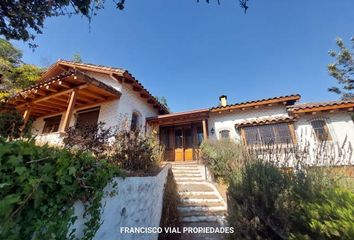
[227,121]
[340,126]
[112,112]
[137,202]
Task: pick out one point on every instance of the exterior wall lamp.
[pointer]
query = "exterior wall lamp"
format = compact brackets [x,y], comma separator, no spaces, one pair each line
[212,131]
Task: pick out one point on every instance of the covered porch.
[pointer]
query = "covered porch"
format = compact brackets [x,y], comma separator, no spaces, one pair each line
[181,134]
[55,100]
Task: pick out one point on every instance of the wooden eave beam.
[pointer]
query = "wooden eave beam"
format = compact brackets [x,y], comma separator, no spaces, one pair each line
[88,93]
[53,95]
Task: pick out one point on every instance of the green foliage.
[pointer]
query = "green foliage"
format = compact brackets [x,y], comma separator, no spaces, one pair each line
[260,206]
[11,125]
[343,70]
[272,203]
[39,186]
[330,215]
[9,53]
[19,20]
[163,101]
[224,156]
[77,58]
[24,76]
[14,75]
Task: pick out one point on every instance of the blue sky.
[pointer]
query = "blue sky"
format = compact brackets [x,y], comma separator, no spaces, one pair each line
[192,53]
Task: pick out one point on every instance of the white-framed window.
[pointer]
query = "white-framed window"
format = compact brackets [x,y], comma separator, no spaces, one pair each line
[321,129]
[224,134]
[135,123]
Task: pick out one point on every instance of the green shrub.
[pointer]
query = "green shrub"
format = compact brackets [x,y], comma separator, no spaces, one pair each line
[11,123]
[271,203]
[223,156]
[260,206]
[39,185]
[330,215]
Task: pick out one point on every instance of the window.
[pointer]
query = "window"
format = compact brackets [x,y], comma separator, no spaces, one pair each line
[268,134]
[224,134]
[165,138]
[321,130]
[135,123]
[51,124]
[200,136]
[87,117]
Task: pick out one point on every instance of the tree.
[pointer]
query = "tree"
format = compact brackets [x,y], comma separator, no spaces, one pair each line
[14,74]
[77,58]
[343,70]
[163,101]
[21,20]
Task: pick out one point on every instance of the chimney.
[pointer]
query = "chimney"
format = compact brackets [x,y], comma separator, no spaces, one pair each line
[223,100]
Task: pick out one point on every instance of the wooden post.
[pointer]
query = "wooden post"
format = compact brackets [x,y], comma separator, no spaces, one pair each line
[26,116]
[205,131]
[69,111]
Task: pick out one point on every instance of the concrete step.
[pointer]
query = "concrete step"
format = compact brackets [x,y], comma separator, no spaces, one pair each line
[188,182]
[195,199]
[195,188]
[184,167]
[196,213]
[189,179]
[187,174]
[191,208]
[194,219]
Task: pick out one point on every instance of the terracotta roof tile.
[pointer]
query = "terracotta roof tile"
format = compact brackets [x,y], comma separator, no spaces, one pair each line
[294,97]
[264,121]
[319,104]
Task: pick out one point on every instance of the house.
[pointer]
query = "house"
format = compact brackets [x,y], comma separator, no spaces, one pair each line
[71,93]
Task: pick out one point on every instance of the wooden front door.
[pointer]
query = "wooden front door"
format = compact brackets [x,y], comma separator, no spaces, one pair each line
[188,143]
[181,142]
[179,153]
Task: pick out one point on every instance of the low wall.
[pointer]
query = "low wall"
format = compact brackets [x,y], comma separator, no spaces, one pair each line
[137,202]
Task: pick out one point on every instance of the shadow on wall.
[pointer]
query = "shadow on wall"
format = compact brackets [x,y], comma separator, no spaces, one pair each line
[170,216]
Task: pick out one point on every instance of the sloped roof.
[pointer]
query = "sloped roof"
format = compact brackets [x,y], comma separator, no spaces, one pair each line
[264,121]
[286,98]
[118,73]
[321,106]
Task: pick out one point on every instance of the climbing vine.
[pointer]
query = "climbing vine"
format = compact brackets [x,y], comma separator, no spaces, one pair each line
[39,185]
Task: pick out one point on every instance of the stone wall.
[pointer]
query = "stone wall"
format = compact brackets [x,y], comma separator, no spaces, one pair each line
[137,202]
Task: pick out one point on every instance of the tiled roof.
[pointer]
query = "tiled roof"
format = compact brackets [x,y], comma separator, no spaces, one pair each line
[264,121]
[313,105]
[114,70]
[293,97]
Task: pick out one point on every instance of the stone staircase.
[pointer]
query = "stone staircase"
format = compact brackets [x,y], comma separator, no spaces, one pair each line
[200,202]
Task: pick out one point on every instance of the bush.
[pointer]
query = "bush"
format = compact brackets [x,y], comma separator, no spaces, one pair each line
[270,203]
[258,209]
[94,138]
[39,185]
[224,156]
[135,152]
[11,123]
[330,215]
